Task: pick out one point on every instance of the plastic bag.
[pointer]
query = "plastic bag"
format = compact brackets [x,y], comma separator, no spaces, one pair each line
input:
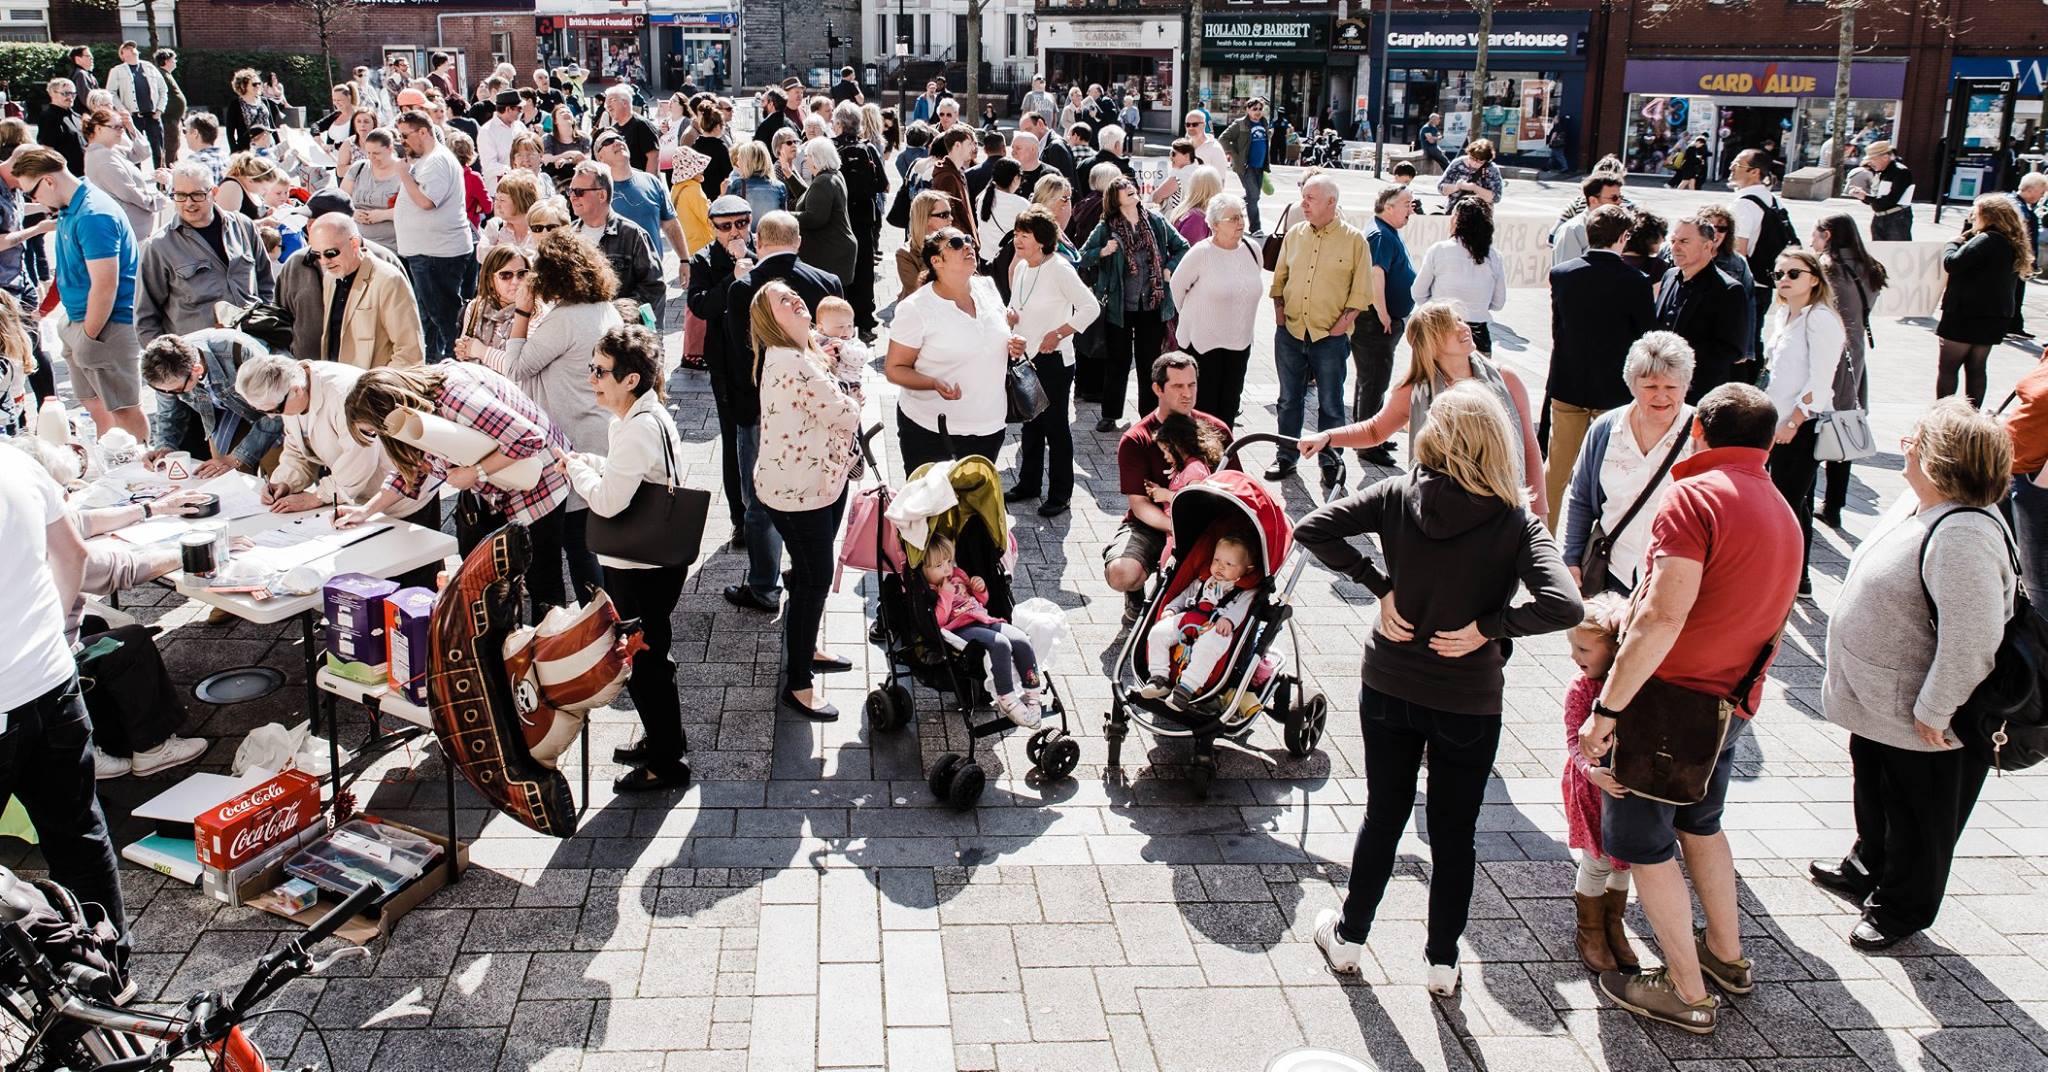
[272,747]
[1046,624]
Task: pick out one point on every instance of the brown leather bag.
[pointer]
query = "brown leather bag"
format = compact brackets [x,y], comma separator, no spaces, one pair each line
[1269,253]
[1668,740]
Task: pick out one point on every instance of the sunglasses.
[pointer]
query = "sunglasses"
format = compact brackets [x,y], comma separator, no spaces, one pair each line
[543,228]
[510,274]
[945,214]
[959,242]
[1790,273]
[1191,126]
[597,370]
[729,225]
[326,254]
[579,191]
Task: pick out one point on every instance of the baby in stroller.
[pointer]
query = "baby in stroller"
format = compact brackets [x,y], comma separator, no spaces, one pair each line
[963,611]
[1200,622]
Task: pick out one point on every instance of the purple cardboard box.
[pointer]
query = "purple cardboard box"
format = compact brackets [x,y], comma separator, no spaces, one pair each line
[408,615]
[355,626]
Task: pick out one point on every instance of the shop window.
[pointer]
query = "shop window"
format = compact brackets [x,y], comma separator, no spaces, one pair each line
[501,48]
[1869,121]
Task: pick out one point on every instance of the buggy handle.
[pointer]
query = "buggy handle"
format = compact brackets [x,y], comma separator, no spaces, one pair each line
[1257,438]
[866,442]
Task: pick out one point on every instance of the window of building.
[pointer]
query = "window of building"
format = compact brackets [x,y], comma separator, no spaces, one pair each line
[501,48]
[960,37]
[1011,23]
[882,43]
[924,35]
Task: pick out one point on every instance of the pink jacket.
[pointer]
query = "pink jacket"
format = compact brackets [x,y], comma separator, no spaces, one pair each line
[959,606]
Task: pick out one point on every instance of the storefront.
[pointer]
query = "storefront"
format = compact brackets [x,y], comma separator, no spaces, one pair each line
[1783,106]
[609,45]
[1279,55]
[1535,76]
[2026,72]
[695,47]
[1128,57]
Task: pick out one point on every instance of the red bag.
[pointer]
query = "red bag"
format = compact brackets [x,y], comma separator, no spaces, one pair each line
[693,340]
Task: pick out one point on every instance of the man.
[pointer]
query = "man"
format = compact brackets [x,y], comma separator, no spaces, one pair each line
[139,88]
[1248,142]
[639,196]
[778,238]
[1128,116]
[631,250]
[643,144]
[15,277]
[993,148]
[1724,561]
[1195,127]
[1568,241]
[96,263]
[194,376]
[1321,283]
[485,107]
[434,236]
[371,317]
[321,464]
[1091,110]
[1704,304]
[1762,231]
[57,124]
[866,184]
[1030,165]
[83,81]
[1433,132]
[2026,200]
[494,139]
[1052,153]
[948,117]
[848,88]
[202,257]
[1140,540]
[173,115]
[46,755]
[1109,149]
[926,108]
[1375,336]
[302,282]
[1886,185]
[1599,306]
[773,118]
[712,270]
[1080,145]
[1036,99]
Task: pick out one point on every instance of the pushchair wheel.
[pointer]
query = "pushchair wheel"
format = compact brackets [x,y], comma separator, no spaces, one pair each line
[1053,752]
[888,708]
[1202,772]
[1304,727]
[942,773]
[958,780]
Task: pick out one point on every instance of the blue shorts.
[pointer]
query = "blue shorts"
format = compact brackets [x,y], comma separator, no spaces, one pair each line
[1642,831]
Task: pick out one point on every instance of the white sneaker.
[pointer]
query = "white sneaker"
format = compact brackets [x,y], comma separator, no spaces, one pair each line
[175,751]
[1443,979]
[1342,955]
[1016,710]
[105,766]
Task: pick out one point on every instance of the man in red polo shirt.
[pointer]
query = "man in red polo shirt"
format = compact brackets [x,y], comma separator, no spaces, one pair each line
[1724,560]
[1134,552]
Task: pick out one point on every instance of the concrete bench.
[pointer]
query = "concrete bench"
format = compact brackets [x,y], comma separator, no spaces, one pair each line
[1809,184]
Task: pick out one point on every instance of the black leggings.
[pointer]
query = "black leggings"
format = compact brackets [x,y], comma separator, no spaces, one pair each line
[1136,342]
[1968,357]
[1792,470]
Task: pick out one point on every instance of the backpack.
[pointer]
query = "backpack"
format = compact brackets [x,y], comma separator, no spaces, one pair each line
[2004,722]
[1774,237]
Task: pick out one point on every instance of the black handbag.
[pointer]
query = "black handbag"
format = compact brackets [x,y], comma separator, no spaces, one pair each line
[1599,552]
[662,526]
[2004,723]
[1668,740]
[1026,393]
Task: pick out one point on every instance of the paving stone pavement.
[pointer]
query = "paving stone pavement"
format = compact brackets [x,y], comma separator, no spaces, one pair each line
[807,905]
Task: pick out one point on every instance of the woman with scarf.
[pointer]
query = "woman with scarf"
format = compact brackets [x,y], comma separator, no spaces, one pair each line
[1133,253]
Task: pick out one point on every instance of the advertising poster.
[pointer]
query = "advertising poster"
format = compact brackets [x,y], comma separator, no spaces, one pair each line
[1457,130]
[1536,118]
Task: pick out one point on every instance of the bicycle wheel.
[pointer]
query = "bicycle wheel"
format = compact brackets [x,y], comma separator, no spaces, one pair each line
[20,1011]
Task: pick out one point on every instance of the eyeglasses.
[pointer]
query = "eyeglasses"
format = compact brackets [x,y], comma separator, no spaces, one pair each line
[1790,273]
[945,214]
[959,241]
[729,225]
[510,274]
[194,196]
[33,187]
[579,191]
[326,254]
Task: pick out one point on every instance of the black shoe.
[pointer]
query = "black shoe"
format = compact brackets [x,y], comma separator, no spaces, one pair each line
[1805,586]
[1830,518]
[743,597]
[1105,425]
[649,779]
[1381,455]
[1053,507]
[631,756]
[1333,477]
[1841,880]
[830,664]
[1280,471]
[788,704]
[2019,334]
[1021,494]
[739,539]
[1870,938]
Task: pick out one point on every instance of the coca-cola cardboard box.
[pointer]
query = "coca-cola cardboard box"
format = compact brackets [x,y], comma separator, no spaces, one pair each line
[241,827]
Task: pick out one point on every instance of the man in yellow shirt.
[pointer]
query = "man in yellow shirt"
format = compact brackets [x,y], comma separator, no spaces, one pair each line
[1321,283]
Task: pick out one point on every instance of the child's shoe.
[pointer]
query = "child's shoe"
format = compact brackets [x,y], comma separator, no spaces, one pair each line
[1183,695]
[1156,687]
[1016,710]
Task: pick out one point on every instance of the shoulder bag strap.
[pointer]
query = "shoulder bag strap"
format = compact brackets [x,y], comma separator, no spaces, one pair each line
[1756,666]
[1670,459]
[2011,550]
[668,458]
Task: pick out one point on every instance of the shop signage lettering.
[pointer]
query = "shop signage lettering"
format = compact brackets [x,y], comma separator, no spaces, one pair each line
[1110,35]
[1770,82]
[603,22]
[1451,40]
[1869,79]
[1293,38]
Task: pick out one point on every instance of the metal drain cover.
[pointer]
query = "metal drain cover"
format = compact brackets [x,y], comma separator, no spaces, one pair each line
[1314,1060]
[239,685]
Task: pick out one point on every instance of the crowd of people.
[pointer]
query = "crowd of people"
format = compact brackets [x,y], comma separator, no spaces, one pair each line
[506,260]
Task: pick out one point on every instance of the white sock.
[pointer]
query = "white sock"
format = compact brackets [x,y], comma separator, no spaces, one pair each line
[1618,879]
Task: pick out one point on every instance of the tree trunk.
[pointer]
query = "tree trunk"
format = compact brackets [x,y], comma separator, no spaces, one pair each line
[149,22]
[971,114]
[1845,51]
[323,17]
[1194,55]
[1479,66]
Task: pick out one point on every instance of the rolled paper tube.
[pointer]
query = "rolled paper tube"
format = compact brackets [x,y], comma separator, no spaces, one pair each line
[464,446]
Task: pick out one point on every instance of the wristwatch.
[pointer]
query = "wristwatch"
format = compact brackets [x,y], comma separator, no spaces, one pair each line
[1604,711]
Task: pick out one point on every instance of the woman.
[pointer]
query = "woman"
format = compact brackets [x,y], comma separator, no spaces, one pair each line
[821,213]
[711,142]
[249,109]
[785,149]
[1088,210]
[487,322]
[1466,271]
[751,179]
[988,115]
[929,210]
[1691,167]
[1133,253]
[1218,287]
[110,166]
[473,397]
[250,186]
[1433,680]
[1623,450]
[625,373]
[1895,678]
[527,154]
[1977,307]
[350,150]
[1856,277]
[1000,204]
[373,185]
[892,131]
[808,424]
[917,145]
[517,193]
[1644,250]
[949,349]
[1442,355]
[1805,346]
[952,155]
[547,217]
[564,148]
[337,127]
[875,131]
[1049,305]
[564,309]
[1473,175]
[1191,216]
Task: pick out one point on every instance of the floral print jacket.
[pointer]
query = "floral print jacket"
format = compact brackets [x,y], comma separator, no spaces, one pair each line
[808,425]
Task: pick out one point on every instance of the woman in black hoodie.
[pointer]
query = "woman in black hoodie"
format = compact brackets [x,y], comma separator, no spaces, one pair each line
[1457,537]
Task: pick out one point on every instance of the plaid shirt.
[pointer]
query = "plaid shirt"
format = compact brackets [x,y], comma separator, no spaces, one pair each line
[475,397]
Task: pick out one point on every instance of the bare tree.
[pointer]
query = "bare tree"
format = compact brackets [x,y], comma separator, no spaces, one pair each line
[327,18]
[972,113]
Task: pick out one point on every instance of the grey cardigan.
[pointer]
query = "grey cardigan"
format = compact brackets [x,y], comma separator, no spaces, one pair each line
[552,365]
[1886,667]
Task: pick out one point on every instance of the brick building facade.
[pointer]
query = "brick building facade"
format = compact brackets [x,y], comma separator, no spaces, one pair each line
[483,30]
[787,37]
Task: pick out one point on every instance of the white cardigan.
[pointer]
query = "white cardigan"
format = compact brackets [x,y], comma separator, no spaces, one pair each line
[1217,293]
[608,482]
[1448,273]
[1803,353]
[1048,297]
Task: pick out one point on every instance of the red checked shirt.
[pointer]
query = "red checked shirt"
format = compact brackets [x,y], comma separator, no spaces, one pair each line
[475,397]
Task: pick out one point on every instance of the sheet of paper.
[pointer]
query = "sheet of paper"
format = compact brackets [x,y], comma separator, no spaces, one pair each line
[283,557]
[240,495]
[148,533]
[308,526]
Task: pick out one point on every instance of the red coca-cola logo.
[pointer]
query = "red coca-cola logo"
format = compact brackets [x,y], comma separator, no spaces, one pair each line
[256,798]
[256,835]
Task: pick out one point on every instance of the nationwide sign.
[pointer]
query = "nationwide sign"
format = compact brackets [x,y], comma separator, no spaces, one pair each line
[1266,39]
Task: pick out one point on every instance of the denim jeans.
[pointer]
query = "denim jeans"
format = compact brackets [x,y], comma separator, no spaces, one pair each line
[437,287]
[764,542]
[1329,358]
[1254,186]
[2027,508]
[1009,654]
[809,534]
[1051,432]
[46,762]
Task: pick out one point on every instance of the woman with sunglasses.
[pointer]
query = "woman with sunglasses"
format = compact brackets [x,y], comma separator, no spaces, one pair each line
[1805,345]
[487,322]
[1856,278]
[1133,253]
[929,210]
[950,346]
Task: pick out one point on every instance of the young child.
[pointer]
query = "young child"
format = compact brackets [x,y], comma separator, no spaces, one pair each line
[1193,451]
[1202,619]
[1602,891]
[836,337]
[1403,173]
[963,610]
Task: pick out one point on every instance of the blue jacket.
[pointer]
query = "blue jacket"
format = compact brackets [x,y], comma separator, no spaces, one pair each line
[1586,498]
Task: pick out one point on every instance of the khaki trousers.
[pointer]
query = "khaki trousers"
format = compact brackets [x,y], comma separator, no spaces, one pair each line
[1568,425]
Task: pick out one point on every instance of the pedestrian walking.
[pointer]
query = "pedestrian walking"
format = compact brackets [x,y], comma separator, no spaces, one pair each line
[1977,307]
[1856,278]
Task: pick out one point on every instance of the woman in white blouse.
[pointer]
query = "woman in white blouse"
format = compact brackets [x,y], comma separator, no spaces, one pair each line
[1623,450]
[1217,288]
[1466,271]
[1049,305]
[808,424]
[949,349]
[995,211]
[1806,343]
[625,374]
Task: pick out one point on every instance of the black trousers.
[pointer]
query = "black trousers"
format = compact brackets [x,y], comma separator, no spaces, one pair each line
[919,445]
[1219,391]
[46,762]
[808,534]
[1793,468]
[860,290]
[729,461]
[1135,342]
[1910,809]
[1050,432]
[152,127]
[1460,751]
[1372,364]
[129,694]
[1482,336]
[585,575]
[475,521]
[650,595]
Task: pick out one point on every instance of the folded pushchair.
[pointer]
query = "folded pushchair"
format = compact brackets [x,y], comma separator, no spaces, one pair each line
[1251,678]
[907,630]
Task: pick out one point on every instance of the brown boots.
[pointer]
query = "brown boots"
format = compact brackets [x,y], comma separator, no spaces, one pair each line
[1603,942]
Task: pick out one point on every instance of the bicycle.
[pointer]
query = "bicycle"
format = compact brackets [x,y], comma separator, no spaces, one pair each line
[50,1019]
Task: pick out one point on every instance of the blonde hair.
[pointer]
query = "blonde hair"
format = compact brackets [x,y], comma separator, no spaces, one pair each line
[548,212]
[832,303]
[382,391]
[750,160]
[1204,183]
[521,188]
[1965,452]
[766,329]
[1466,439]
[1606,613]
[921,208]
[1996,214]
[247,167]
[245,80]
[1428,326]
[14,340]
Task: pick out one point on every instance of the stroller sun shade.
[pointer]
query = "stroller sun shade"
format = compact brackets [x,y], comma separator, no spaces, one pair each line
[1235,497]
[980,491]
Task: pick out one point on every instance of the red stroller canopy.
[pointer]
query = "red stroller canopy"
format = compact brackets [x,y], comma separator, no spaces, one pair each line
[1233,496]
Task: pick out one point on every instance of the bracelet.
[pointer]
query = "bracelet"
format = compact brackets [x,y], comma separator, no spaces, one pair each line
[1603,711]
[517,311]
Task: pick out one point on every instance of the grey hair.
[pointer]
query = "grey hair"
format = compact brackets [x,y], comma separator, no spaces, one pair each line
[597,171]
[1024,136]
[619,89]
[1102,176]
[1658,353]
[820,154]
[264,380]
[1111,137]
[783,134]
[1223,205]
[194,170]
[2032,179]
[339,220]
[1320,181]
[846,116]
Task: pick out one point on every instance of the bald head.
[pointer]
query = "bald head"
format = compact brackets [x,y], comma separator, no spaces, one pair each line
[334,241]
[778,233]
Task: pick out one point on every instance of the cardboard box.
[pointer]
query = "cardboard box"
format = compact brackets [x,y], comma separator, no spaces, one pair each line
[378,921]
[241,827]
[266,870]
[356,643]
[408,618]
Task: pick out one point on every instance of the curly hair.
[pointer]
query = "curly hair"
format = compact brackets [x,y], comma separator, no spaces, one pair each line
[569,271]
[1995,214]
